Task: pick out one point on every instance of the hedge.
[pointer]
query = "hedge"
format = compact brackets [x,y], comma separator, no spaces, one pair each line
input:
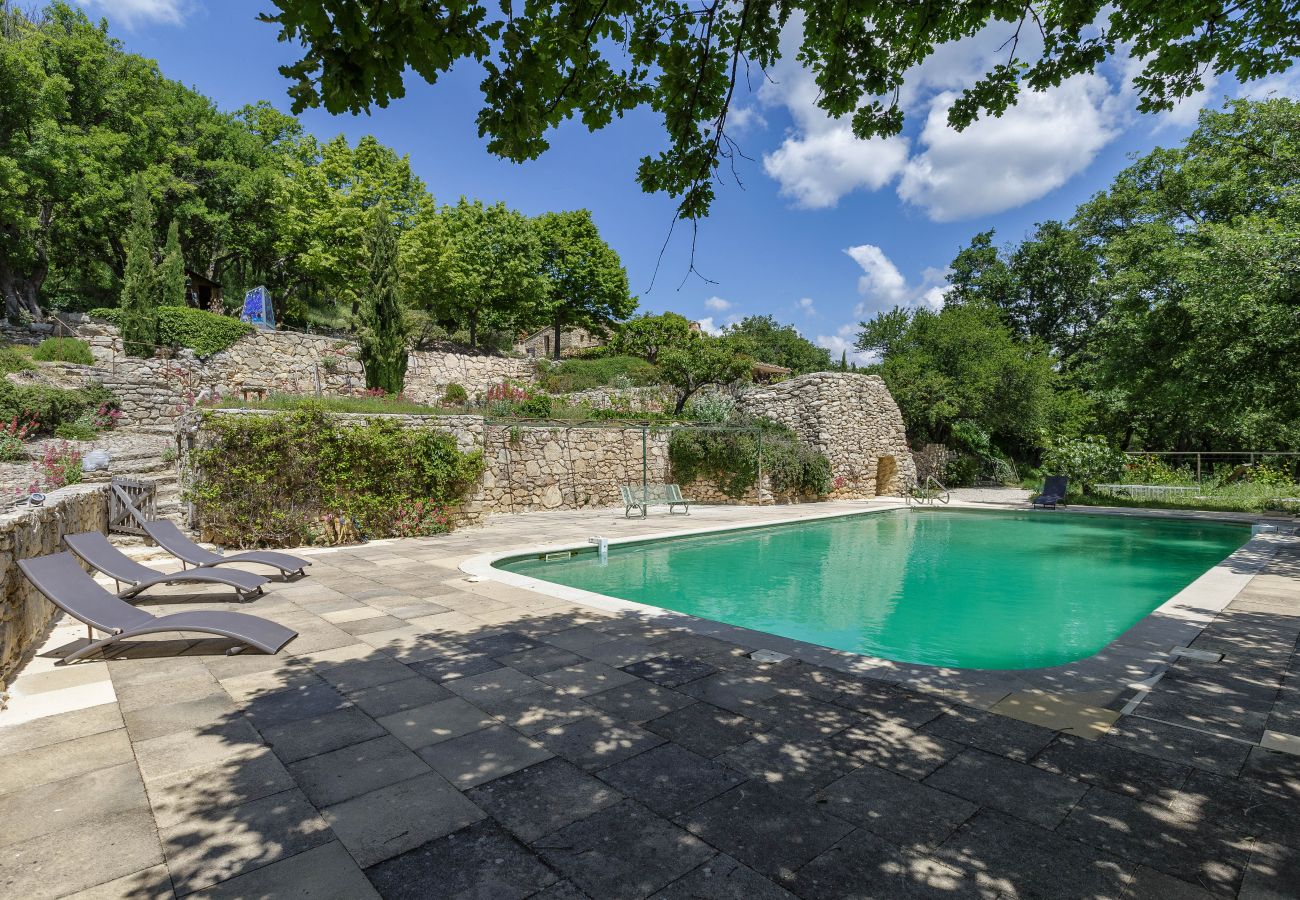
[281,480]
[194,329]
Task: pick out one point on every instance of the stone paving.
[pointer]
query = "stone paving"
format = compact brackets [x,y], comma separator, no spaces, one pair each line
[432,736]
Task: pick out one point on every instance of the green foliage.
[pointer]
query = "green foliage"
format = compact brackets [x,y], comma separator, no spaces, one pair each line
[1086,461]
[267,480]
[49,407]
[171,270]
[549,63]
[139,316]
[82,429]
[387,403]
[712,409]
[731,459]
[586,284]
[382,336]
[14,359]
[763,338]
[64,349]
[583,374]
[1154,470]
[454,395]
[199,330]
[702,360]
[648,336]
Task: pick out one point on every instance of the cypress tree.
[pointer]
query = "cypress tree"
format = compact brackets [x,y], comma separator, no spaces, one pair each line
[171,271]
[382,329]
[844,360]
[139,323]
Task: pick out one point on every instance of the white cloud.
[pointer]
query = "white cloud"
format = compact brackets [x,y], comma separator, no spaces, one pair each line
[882,286]
[1287,84]
[816,170]
[708,326]
[742,118]
[718,304]
[806,305]
[842,342]
[136,12]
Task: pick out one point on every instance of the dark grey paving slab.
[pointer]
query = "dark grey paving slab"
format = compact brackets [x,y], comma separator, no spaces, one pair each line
[898,809]
[191,794]
[81,856]
[577,638]
[459,665]
[153,883]
[623,852]
[543,798]
[327,872]
[1012,787]
[483,755]
[598,741]
[706,729]
[501,644]
[766,829]
[788,765]
[1207,706]
[1237,805]
[182,750]
[1179,745]
[989,731]
[586,678]
[164,718]
[670,671]
[480,861]
[894,746]
[737,693]
[355,770]
[321,734]
[493,687]
[639,701]
[883,701]
[620,652]
[1273,772]
[1152,884]
[440,721]
[1004,855]
[304,700]
[670,779]
[803,717]
[396,696]
[1109,767]
[540,710]
[722,878]
[865,865]
[1273,873]
[359,674]
[543,658]
[387,822]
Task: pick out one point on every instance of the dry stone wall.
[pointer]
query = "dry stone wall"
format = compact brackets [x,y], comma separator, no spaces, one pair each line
[24,613]
[851,419]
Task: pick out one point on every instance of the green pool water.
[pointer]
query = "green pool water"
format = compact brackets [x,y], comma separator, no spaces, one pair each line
[975,589]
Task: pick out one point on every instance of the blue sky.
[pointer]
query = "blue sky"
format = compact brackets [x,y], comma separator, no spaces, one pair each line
[826,229]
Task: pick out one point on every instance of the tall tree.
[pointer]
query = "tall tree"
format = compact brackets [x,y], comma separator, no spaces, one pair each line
[171,271]
[767,340]
[140,282]
[586,281]
[382,335]
[546,63]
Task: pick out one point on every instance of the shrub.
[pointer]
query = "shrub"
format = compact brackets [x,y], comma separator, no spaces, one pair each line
[12,435]
[454,395]
[12,359]
[199,330]
[82,429]
[1085,461]
[49,407]
[269,480]
[58,467]
[730,459]
[583,374]
[711,409]
[64,349]
[1154,470]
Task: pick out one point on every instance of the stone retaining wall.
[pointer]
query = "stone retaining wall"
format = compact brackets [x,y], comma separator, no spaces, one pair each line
[24,613]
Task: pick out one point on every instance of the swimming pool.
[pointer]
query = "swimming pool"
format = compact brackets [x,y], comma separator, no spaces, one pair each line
[968,588]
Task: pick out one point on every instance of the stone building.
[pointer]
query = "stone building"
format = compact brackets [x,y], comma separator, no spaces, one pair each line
[541,343]
[850,418]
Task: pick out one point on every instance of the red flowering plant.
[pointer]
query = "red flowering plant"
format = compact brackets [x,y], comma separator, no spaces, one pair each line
[417,518]
[13,433]
[59,466]
[106,416]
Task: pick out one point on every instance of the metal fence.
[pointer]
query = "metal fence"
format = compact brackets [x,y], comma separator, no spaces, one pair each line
[1216,464]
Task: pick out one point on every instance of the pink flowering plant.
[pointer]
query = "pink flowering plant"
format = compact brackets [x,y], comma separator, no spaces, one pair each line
[106,416]
[417,518]
[59,466]
[13,433]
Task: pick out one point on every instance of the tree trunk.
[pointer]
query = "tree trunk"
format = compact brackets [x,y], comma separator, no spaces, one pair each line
[20,291]
[473,328]
[559,327]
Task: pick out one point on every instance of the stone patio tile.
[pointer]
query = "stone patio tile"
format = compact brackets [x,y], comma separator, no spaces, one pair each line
[795,767]
[352,771]
[865,865]
[598,741]
[639,701]
[164,718]
[576,639]
[891,703]
[803,717]
[540,659]
[494,687]
[543,798]
[1057,712]
[224,843]
[738,693]
[440,721]
[301,701]
[722,878]
[55,762]
[624,852]
[670,779]
[133,695]
[396,696]
[1120,771]
[153,883]
[987,731]
[1152,884]
[321,734]
[353,612]
[766,829]
[55,729]
[586,678]
[1006,856]
[387,822]
[1204,707]
[410,644]
[483,755]
[540,710]
[359,674]
[620,652]
[1274,773]
[193,793]
[68,802]
[1274,872]
[197,747]
[892,745]
[705,729]
[670,671]
[81,856]
[455,665]
[478,861]
[327,872]
[911,815]
[1238,806]
[1025,792]
[373,623]
[1179,745]
[503,643]
[1190,847]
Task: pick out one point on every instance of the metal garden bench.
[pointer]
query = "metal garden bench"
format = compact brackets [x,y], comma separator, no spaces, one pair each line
[642,497]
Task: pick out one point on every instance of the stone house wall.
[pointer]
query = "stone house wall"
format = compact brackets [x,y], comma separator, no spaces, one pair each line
[24,613]
[850,418]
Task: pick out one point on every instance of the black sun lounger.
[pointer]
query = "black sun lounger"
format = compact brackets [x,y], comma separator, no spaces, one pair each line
[1054,488]
[168,536]
[96,551]
[68,587]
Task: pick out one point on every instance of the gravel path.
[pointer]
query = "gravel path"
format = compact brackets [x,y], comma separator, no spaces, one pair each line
[992,495]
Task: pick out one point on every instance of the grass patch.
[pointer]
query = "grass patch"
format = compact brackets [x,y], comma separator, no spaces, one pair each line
[367,405]
[583,374]
[15,358]
[1242,498]
[64,349]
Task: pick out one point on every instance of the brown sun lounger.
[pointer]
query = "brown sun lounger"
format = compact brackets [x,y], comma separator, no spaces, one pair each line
[168,536]
[68,587]
[96,551]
